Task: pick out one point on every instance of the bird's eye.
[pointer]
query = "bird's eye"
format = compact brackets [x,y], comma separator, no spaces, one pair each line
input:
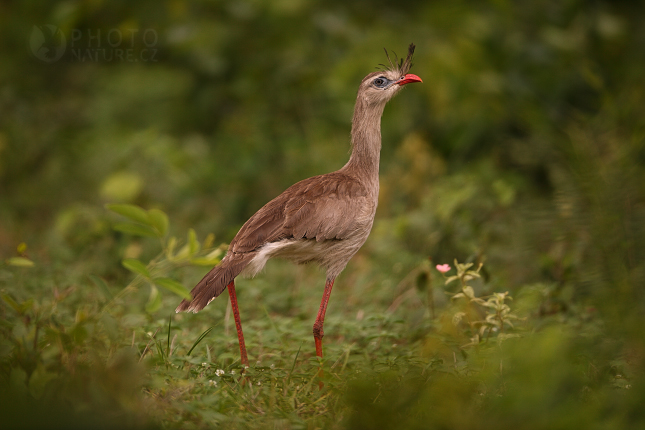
[380,82]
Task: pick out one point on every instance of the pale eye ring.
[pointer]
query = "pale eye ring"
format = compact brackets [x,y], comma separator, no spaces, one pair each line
[380,82]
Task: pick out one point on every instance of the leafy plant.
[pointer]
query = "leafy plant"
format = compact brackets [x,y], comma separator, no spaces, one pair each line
[155,223]
[497,314]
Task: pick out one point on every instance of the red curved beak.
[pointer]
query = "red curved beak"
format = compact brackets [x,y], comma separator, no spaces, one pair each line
[408,79]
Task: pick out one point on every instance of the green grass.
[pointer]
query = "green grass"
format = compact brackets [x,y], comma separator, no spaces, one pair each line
[414,355]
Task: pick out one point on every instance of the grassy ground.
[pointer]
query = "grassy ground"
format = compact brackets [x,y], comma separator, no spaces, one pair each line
[402,350]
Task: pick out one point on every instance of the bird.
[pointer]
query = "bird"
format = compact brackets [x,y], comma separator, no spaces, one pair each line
[324,219]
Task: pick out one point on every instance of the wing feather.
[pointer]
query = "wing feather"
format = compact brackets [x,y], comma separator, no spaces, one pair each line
[322,208]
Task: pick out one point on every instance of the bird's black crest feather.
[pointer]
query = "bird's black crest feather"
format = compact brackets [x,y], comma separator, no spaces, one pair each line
[403,66]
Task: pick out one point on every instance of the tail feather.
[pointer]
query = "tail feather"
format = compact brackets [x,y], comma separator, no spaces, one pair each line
[215,282]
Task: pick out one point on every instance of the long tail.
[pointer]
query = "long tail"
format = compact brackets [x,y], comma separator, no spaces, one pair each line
[215,282]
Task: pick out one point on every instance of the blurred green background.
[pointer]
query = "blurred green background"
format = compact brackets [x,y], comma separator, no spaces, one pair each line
[524,149]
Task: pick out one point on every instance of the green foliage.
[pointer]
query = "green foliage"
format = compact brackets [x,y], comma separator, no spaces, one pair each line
[497,315]
[155,222]
[521,155]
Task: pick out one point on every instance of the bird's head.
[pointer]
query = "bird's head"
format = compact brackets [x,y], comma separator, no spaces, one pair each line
[379,87]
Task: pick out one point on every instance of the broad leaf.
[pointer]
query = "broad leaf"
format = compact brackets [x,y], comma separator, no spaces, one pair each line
[204,261]
[136,266]
[135,213]
[135,229]
[211,259]
[20,262]
[158,220]
[174,286]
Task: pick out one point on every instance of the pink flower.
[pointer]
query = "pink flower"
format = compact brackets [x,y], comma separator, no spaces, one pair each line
[443,268]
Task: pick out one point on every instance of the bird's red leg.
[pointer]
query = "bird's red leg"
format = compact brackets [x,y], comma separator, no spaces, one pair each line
[320,319]
[238,323]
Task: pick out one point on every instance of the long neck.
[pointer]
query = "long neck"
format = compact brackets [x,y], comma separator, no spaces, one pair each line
[366,140]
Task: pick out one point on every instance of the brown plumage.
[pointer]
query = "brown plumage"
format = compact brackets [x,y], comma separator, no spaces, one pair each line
[323,219]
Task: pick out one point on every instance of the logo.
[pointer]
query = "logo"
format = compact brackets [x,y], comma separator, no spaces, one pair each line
[47,43]
[98,45]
